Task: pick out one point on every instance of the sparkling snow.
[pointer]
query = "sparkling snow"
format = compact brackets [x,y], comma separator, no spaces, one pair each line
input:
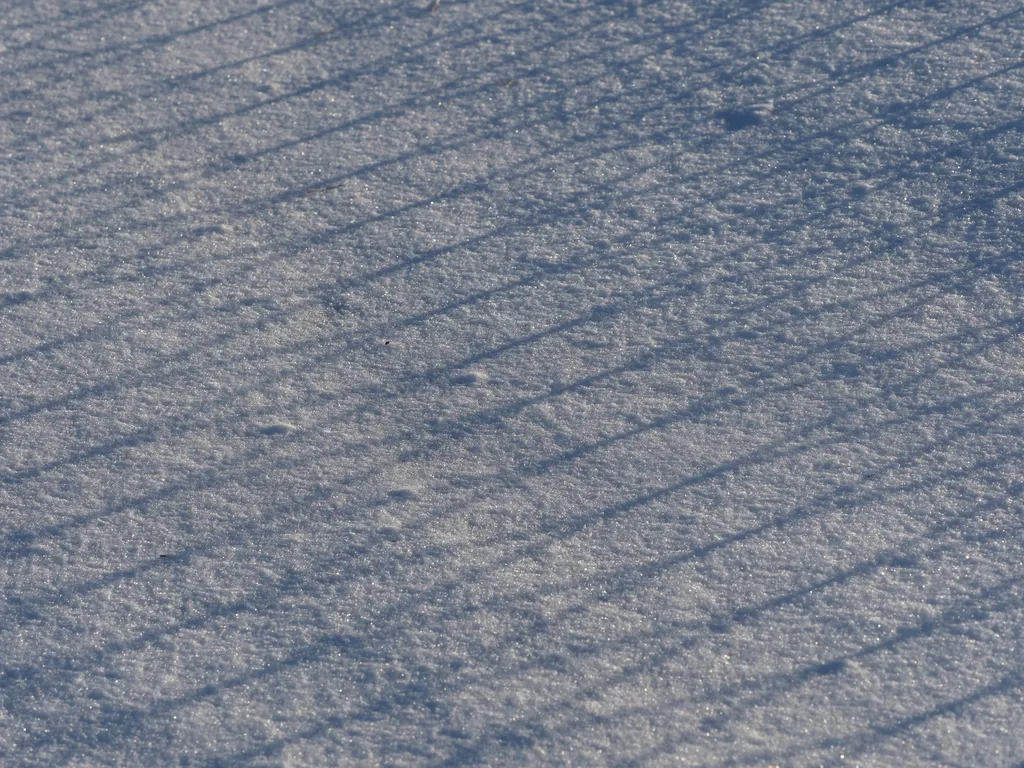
[512,383]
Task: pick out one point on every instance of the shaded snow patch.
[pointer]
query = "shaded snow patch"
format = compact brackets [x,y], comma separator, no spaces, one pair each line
[738,118]
[277,428]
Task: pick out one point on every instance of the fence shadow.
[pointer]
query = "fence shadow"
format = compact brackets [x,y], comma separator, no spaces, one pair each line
[468,383]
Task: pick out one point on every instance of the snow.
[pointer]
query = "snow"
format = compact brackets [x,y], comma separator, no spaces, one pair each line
[500,382]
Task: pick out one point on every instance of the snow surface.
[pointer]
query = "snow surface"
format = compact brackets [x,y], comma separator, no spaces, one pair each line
[509,382]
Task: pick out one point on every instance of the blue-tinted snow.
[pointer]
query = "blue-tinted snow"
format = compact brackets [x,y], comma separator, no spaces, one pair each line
[511,383]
